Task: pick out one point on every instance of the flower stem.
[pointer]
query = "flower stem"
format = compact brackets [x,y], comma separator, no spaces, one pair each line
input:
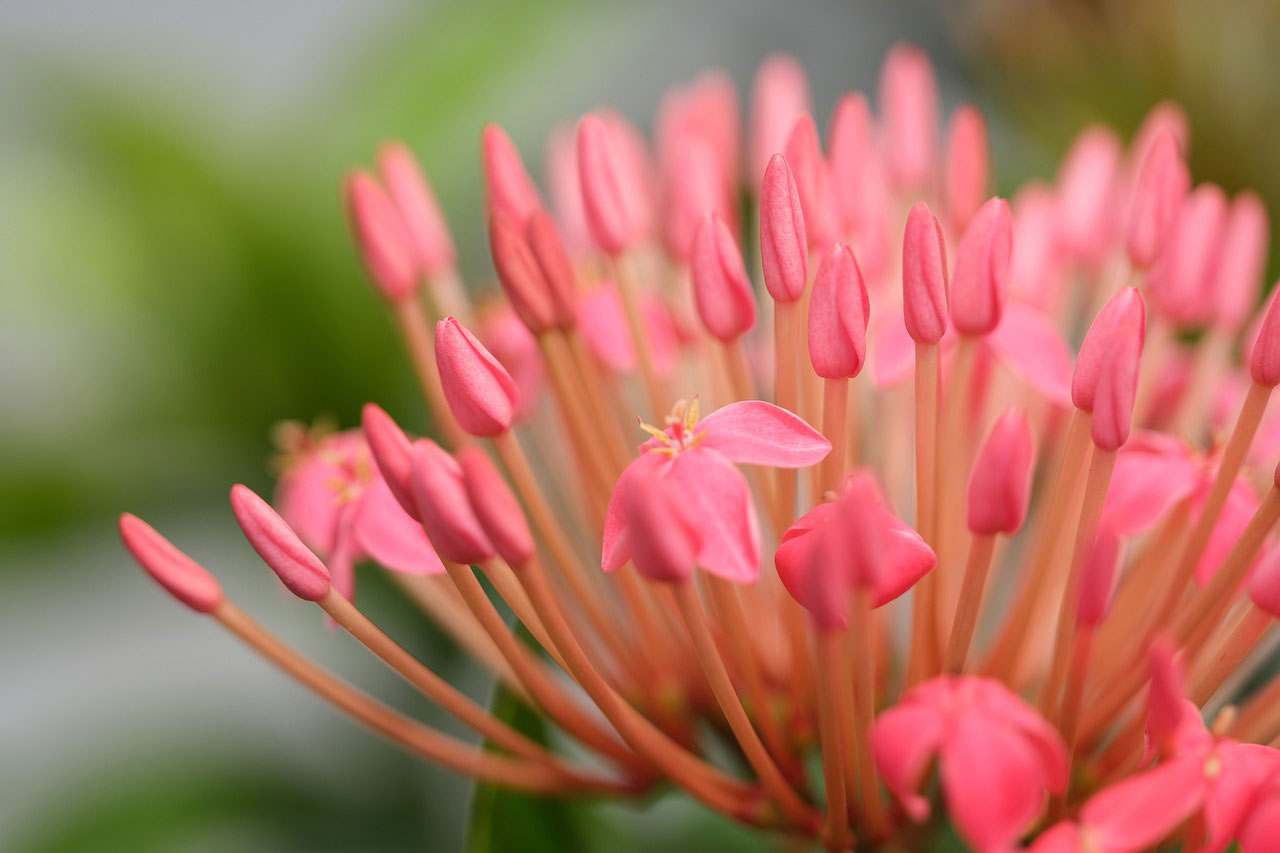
[981,549]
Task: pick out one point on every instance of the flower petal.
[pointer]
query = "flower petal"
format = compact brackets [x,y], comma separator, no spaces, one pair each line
[1031,346]
[1242,771]
[992,779]
[614,551]
[903,739]
[1236,513]
[1137,813]
[795,553]
[753,432]
[907,559]
[1145,486]
[720,499]
[385,532]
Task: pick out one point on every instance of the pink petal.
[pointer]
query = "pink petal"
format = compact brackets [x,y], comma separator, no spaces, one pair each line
[1031,346]
[307,496]
[345,553]
[903,739]
[1001,702]
[794,560]
[893,351]
[1062,837]
[993,782]
[1241,773]
[718,496]
[1239,509]
[615,552]
[907,559]
[1145,486]
[1137,813]
[604,324]
[1261,828]
[387,534]
[753,432]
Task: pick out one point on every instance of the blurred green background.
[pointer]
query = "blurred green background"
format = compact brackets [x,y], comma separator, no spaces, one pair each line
[175,277]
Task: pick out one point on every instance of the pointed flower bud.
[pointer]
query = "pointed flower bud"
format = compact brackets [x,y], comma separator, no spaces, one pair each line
[909,105]
[181,576]
[784,248]
[695,186]
[1181,279]
[511,191]
[966,168]
[544,241]
[1118,383]
[663,535]
[418,208]
[1162,183]
[982,265]
[868,542]
[443,507]
[838,313]
[520,274]
[390,448]
[850,152]
[1098,577]
[298,568]
[781,93]
[813,181]
[1087,193]
[1243,260]
[384,243]
[1000,485]
[721,289]
[1124,310]
[604,199]
[1264,358]
[480,392]
[495,507]
[924,276]
[1264,586]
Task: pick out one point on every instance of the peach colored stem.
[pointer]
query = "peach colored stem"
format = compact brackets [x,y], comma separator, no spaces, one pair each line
[411,736]
[835,410]
[953,455]
[630,293]
[829,679]
[419,338]
[924,627]
[509,589]
[864,680]
[582,443]
[1235,647]
[596,394]
[976,569]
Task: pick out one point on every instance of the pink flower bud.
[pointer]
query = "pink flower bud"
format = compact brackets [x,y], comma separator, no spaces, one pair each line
[784,249]
[520,274]
[443,507]
[663,536]
[1242,262]
[695,185]
[637,176]
[418,208]
[480,392]
[721,289]
[851,153]
[511,191]
[909,106]
[982,265]
[544,240]
[1264,586]
[604,199]
[924,276]
[298,568]
[706,109]
[1181,279]
[1264,359]
[781,94]
[181,576]
[384,243]
[813,181]
[1162,183]
[1000,485]
[1125,309]
[862,521]
[495,507]
[566,192]
[1118,383]
[966,168]
[1164,694]
[389,447]
[838,313]
[1098,577]
[1087,193]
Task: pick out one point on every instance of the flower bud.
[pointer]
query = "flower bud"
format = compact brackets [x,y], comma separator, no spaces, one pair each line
[850,152]
[1264,586]
[924,276]
[721,289]
[418,208]
[480,392]
[384,243]
[1181,279]
[781,93]
[1124,310]
[909,106]
[813,181]
[181,576]
[544,241]
[603,197]
[390,448]
[495,507]
[1000,485]
[838,313]
[784,249]
[443,507]
[982,265]
[1264,359]
[510,189]
[1088,191]
[298,568]
[966,167]
[1242,262]
[1118,384]
[1098,577]
[520,274]
[695,186]
[1161,185]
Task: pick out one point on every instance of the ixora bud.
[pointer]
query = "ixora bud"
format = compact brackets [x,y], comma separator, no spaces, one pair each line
[1162,183]
[390,449]
[418,208]
[1264,360]
[813,181]
[520,274]
[181,576]
[495,507]
[1098,576]
[838,313]
[784,248]
[1118,384]
[384,243]
[924,276]
[480,392]
[1000,485]
[545,243]
[443,507]
[511,192]
[781,94]
[604,199]
[982,265]
[909,102]
[966,165]
[1125,310]
[298,568]
[721,289]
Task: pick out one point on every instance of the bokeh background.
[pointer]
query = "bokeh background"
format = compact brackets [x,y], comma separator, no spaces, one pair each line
[175,277]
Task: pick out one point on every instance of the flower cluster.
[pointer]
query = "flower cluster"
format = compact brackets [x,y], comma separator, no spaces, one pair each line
[986,495]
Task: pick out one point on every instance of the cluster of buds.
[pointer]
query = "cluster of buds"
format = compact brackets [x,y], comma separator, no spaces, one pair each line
[1054,579]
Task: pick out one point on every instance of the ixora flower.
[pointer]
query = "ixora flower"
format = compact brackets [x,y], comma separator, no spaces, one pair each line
[988,498]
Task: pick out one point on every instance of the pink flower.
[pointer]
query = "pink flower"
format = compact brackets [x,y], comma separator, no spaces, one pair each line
[697,457]
[780,95]
[516,349]
[997,757]
[335,499]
